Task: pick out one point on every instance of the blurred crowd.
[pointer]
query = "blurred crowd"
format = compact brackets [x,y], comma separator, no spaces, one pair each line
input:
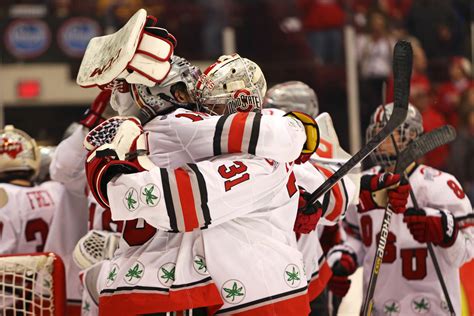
[299,31]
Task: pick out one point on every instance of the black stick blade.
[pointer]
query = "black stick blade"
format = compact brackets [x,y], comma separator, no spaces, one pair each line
[402,66]
[423,145]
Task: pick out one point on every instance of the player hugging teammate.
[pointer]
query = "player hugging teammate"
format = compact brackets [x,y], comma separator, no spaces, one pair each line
[199,192]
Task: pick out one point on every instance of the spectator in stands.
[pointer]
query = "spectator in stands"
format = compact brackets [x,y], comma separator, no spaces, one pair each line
[449,93]
[374,54]
[421,98]
[323,21]
[436,25]
[461,162]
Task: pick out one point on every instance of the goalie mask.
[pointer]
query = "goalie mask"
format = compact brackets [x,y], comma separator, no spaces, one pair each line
[162,97]
[292,96]
[385,154]
[232,84]
[19,154]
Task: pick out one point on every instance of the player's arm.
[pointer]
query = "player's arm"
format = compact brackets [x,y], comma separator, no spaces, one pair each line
[67,165]
[194,196]
[343,259]
[278,138]
[445,220]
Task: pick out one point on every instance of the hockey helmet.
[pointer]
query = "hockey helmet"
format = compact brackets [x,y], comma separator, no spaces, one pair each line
[232,82]
[161,96]
[385,155]
[292,96]
[18,153]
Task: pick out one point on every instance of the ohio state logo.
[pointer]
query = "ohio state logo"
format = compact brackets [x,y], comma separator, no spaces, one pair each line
[243,101]
[10,148]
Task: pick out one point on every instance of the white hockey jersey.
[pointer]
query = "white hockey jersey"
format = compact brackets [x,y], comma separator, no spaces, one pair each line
[26,216]
[183,137]
[407,283]
[250,248]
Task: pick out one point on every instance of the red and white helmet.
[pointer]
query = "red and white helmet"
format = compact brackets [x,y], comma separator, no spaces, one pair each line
[292,96]
[233,81]
[408,131]
[18,153]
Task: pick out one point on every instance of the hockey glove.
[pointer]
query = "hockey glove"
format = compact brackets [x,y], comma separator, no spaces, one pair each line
[312,135]
[378,190]
[307,222]
[95,246]
[343,263]
[438,227]
[94,114]
[122,149]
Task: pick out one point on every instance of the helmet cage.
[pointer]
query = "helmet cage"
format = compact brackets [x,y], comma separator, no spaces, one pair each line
[407,132]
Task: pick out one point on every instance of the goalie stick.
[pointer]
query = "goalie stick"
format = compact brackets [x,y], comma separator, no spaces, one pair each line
[402,63]
[416,149]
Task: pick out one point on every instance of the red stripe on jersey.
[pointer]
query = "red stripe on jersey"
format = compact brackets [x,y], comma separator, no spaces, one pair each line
[338,196]
[318,284]
[188,207]
[160,302]
[298,305]
[236,132]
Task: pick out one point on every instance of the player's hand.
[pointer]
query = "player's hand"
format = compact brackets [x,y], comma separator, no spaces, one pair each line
[312,135]
[94,114]
[378,190]
[122,152]
[307,217]
[438,227]
[343,263]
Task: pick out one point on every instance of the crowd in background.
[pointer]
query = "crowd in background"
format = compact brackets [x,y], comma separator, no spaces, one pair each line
[305,38]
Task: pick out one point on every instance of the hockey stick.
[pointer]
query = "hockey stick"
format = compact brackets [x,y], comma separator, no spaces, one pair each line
[402,61]
[451,133]
[417,149]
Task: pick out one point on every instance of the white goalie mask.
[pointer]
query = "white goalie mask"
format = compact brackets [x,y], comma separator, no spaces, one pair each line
[18,153]
[161,96]
[234,82]
[292,96]
[385,154]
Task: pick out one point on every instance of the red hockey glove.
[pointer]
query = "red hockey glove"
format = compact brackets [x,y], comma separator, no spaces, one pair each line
[343,263]
[93,115]
[123,151]
[307,222]
[312,135]
[378,190]
[438,227]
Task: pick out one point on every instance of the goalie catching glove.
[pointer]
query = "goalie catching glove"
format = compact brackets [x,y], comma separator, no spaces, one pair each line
[117,146]
[312,135]
[429,225]
[95,246]
[378,190]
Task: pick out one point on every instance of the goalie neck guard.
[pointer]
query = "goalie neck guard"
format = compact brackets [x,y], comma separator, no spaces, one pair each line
[19,155]
[385,154]
[292,96]
[234,82]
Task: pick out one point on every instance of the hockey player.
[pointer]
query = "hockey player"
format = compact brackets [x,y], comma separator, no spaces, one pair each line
[26,210]
[296,95]
[407,282]
[231,129]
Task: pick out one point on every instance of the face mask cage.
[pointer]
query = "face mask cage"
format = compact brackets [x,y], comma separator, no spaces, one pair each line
[381,156]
